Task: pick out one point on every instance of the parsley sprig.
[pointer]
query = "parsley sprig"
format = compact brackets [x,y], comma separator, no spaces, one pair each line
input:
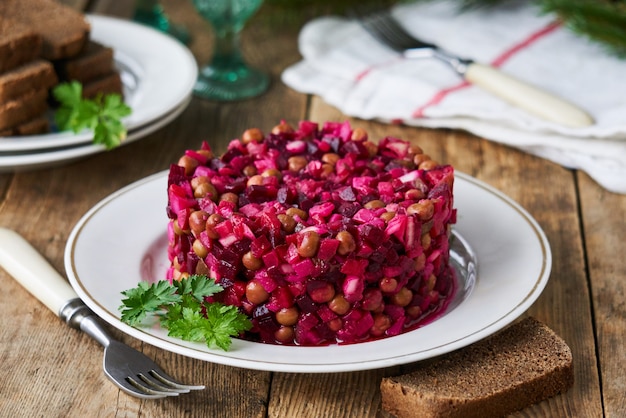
[102,115]
[184,311]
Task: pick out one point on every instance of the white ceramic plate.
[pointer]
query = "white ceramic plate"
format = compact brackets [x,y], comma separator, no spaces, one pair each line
[118,242]
[157,71]
[51,158]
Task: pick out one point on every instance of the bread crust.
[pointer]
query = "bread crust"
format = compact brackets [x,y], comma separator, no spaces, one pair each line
[38,125]
[94,62]
[108,84]
[64,31]
[18,43]
[35,75]
[522,365]
[16,112]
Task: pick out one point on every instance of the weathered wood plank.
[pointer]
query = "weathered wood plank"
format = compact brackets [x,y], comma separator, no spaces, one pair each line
[331,395]
[604,223]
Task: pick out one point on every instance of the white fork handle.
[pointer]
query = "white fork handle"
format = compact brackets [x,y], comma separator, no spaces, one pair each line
[530,98]
[33,271]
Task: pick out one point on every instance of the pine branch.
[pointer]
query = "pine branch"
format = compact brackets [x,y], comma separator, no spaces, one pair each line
[602,21]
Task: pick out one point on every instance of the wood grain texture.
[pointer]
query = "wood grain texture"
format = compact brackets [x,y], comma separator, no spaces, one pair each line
[50,370]
[604,224]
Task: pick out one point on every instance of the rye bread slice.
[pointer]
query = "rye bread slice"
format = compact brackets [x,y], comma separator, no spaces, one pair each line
[38,125]
[94,62]
[111,83]
[27,107]
[35,75]
[64,30]
[18,43]
[522,365]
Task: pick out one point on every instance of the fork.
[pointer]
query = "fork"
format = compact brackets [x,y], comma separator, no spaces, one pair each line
[132,371]
[383,27]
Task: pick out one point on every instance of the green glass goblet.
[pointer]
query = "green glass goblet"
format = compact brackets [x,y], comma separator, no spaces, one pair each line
[151,13]
[227,77]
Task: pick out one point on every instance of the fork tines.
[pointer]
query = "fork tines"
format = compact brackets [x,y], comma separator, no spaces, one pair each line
[382,26]
[155,384]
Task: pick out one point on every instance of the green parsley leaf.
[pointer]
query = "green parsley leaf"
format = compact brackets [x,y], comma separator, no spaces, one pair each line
[147,298]
[198,287]
[216,328]
[69,94]
[184,310]
[102,115]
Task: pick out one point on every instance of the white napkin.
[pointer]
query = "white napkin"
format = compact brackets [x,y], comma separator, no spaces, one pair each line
[350,70]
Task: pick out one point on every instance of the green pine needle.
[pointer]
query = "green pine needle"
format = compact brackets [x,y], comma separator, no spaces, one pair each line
[601,21]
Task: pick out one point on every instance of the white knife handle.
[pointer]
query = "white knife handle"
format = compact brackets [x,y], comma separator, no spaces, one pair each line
[533,100]
[33,271]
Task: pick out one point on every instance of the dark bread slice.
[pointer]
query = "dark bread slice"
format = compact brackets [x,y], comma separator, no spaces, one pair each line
[521,365]
[108,84]
[18,43]
[64,30]
[94,62]
[39,125]
[35,75]
[27,107]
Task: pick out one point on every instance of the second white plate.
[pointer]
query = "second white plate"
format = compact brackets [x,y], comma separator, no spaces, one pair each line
[118,242]
[57,156]
[157,71]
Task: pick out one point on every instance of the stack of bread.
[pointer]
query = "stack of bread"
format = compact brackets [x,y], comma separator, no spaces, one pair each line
[43,43]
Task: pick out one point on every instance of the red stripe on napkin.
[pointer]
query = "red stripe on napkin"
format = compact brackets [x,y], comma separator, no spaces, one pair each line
[498,62]
[368,70]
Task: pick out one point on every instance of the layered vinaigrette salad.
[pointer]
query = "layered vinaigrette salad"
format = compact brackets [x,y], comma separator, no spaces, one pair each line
[319,235]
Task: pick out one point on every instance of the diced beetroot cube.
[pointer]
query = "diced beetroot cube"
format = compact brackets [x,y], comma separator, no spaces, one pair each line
[396,226]
[296,147]
[308,337]
[292,256]
[356,325]
[372,233]
[354,267]
[297,289]
[233,295]
[205,240]
[323,209]
[256,148]
[395,329]
[280,298]
[224,229]
[353,287]
[251,210]
[271,259]
[286,268]
[395,312]
[364,250]
[228,240]
[307,321]
[268,283]
[347,194]
[306,304]
[307,129]
[304,268]
[328,248]
[392,271]
[325,314]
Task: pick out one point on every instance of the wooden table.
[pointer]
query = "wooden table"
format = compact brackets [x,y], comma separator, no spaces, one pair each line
[52,371]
